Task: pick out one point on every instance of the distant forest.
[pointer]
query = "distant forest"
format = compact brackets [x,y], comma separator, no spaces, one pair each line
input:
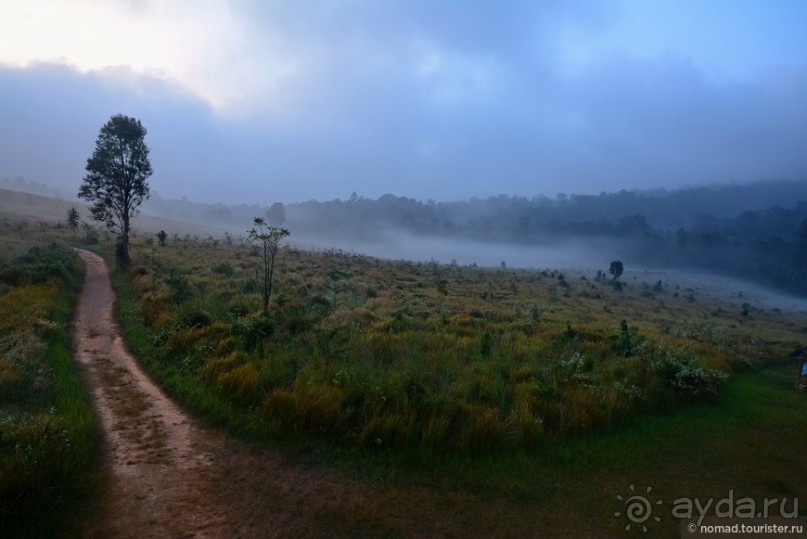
[755,231]
[752,231]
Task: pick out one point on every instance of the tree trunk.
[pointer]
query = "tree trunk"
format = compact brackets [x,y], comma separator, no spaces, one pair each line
[122,249]
[271,272]
[267,287]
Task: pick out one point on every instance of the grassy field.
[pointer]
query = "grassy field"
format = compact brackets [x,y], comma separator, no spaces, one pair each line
[384,355]
[543,394]
[547,392]
[49,440]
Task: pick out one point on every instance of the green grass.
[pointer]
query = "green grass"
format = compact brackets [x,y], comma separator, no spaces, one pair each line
[461,355]
[358,350]
[378,355]
[49,438]
[750,441]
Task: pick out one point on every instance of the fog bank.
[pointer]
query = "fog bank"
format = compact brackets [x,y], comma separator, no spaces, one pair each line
[396,245]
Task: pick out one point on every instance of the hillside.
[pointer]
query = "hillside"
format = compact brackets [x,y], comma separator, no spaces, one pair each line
[755,232]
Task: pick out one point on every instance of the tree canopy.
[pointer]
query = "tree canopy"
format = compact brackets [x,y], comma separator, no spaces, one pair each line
[116,181]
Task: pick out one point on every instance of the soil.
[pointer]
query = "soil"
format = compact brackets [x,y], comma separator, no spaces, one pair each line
[167,475]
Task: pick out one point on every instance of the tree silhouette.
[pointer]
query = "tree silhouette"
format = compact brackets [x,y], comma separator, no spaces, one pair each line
[161,237]
[116,180]
[73,219]
[616,269]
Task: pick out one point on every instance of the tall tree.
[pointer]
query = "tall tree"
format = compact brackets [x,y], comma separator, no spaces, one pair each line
[116,181]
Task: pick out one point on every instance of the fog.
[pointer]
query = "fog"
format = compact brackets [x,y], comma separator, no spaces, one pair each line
[735,290]
[578,255]
[396,245]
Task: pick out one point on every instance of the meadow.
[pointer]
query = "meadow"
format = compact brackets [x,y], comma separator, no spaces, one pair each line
[429,358]
[541,394]
[49,438]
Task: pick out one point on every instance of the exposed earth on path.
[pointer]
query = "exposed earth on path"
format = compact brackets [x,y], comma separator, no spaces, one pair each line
[169,476]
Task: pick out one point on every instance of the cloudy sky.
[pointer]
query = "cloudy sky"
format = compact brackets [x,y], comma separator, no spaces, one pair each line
[288,100]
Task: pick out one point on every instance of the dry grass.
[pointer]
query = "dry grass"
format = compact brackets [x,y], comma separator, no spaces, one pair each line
[360,329]
[373,353]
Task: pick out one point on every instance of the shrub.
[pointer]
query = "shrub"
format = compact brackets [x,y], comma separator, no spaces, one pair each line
[697,382]
[179,284]
[623,341]
[39,265]
[253,331]
[679,370]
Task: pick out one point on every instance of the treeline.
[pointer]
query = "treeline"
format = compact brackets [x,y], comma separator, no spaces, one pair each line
[767,246]
[752,231]
[506,217]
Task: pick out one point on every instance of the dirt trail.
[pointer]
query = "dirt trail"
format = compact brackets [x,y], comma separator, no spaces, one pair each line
[169,476]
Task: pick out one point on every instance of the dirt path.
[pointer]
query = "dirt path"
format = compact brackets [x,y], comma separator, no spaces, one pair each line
[171,477]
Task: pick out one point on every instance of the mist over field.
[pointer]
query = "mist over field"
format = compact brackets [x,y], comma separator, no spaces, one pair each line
[572,253]
[753,232]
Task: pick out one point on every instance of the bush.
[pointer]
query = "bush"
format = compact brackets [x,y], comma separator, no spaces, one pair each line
[679,370]
[697,382]
[39,265]
[253,331]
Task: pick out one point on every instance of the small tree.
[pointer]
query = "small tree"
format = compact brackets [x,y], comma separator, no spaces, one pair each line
[161,237]
[73,219]
[616,269]
[267,239]
[116,180]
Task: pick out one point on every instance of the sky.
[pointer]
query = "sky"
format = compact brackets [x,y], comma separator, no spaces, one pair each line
[250,101]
